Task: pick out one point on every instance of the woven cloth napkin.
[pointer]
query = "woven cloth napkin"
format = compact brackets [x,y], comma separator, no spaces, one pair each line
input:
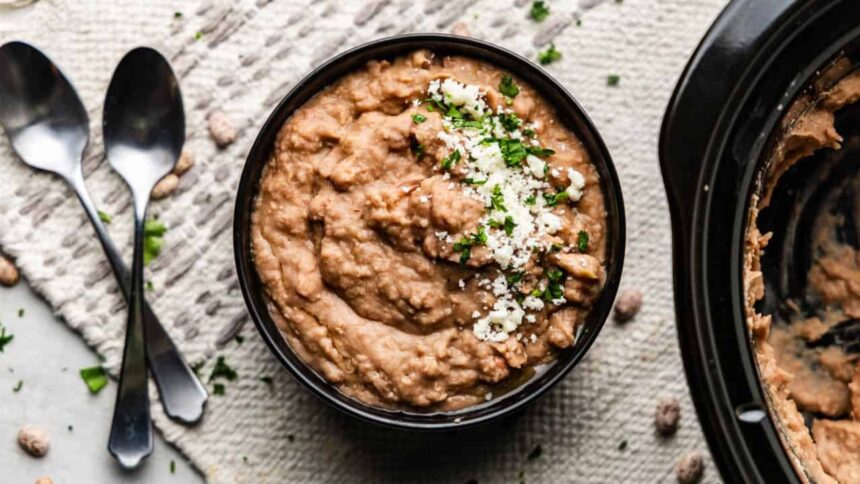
[242,57]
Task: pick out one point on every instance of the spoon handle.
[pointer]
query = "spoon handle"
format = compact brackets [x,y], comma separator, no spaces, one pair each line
[130,438]
[182,394]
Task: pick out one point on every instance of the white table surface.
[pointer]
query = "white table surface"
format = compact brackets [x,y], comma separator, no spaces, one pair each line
[46,355]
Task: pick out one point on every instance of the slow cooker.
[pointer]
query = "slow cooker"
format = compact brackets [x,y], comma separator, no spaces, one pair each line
[756,59]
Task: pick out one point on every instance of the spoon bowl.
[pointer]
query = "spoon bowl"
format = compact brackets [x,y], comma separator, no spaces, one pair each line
[40,111]
[144,120]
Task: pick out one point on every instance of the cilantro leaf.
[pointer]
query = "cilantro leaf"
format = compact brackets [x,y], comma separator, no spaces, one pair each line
[582,241]
[95,378]
[497,199]
[549,55]
[553,200]
[417,148]
[514,278]
[508,88]
[509,225]
[613,80]
[218,389]
[540,152]
[472,181]
[418,118]
[465,244]
[513,151]
[539,11]
[510,121]
[105,217]
[451,159]
[222,370]
[18,386]
[5,339]
[153,231]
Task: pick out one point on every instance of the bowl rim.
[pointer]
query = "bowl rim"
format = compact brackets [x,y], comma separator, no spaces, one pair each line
[260,153]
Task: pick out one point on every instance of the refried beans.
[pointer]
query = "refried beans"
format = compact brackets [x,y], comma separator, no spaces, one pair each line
[428,232]
[814,388]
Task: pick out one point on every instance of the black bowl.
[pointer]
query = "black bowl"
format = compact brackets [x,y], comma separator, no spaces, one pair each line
[570,113]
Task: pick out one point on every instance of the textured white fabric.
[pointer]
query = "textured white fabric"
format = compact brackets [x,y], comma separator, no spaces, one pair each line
[248,56]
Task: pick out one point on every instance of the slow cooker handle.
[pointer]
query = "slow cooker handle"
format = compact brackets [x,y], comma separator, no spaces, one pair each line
[703,94]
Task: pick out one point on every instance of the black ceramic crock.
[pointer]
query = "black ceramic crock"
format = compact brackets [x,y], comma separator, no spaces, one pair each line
[570,113]
[755,60]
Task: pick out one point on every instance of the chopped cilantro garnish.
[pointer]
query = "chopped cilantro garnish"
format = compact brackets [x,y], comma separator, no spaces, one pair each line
[549,56]
[18,386]
[418,118]
[149,286]
[153,231]
[466,123]
[267,380]
[529,132]
[513,151]
[553,200]
[539,11]
[451,160]
[218,389]
[497,199]
[510,121]
[540,152]
[470,181]
[177,14]
[465,244]
[453,112]
[198,36]
[508,87]
[105,217]
[239,339]
[509,225]
[5,339]
[555,288]
[433,105]
[582,241]
[514,278]
[222,370]
[20,312]
[172,466]
[613,80]
[95,378]
[417,148]
[530,200]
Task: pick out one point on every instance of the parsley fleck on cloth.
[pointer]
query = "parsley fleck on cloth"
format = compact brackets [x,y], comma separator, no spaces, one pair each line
[620,60]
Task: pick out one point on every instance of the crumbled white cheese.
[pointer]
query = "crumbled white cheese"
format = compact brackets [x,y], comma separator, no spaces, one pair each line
[513,232]
[499,323]
[441,235]
[577,184]
[533,303]
[533,338]
[423,199]
[469,97]
[536,166]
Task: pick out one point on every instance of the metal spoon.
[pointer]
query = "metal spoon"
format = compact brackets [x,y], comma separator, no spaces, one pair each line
[144,129]
[48,127]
